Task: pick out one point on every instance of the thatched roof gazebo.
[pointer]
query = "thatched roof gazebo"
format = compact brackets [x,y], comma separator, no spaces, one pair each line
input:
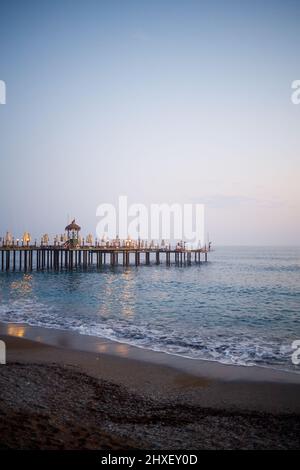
[73,230]
[73,227]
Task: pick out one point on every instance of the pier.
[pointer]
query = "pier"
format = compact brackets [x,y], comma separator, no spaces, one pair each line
[31,257]
[70,251]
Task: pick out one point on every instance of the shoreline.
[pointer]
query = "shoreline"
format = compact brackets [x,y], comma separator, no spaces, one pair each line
[58,397]
[212,370]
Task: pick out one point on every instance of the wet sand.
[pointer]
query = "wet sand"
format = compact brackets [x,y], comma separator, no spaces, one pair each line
[55,397]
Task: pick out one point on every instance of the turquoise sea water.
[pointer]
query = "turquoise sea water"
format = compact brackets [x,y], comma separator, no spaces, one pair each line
[242,307]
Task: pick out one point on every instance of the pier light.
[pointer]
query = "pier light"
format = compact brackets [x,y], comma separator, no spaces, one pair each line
[128,242]
[8,238]
[26,238]
[89,239]
[45,239]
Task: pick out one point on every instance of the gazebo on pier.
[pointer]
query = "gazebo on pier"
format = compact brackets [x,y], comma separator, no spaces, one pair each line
[73,234]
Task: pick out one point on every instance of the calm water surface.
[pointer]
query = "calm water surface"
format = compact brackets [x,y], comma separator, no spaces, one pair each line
[243,307]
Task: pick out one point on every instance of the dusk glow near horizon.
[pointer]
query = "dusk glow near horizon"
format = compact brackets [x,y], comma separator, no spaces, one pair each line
[162,101]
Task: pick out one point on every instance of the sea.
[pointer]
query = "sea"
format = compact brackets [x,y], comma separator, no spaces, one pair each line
[241,307]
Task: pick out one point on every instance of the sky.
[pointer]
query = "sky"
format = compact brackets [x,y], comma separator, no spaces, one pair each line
[163,101]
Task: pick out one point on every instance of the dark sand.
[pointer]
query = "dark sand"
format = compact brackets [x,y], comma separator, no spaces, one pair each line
[57,398]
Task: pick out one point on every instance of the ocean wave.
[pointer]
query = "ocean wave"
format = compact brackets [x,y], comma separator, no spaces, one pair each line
[226,349]
[234,312]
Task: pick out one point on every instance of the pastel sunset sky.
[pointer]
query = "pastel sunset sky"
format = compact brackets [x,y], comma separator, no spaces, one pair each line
[162,101]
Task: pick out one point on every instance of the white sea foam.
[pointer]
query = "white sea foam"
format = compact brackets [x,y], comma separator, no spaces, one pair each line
[234,312]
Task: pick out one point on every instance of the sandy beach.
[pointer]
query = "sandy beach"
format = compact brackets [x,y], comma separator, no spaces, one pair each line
[112,396]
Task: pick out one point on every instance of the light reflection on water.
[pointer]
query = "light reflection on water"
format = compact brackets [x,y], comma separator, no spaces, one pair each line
[24,285]
[16,330]
[242,307]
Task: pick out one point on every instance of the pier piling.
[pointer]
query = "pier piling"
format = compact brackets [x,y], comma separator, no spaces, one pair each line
[56,257]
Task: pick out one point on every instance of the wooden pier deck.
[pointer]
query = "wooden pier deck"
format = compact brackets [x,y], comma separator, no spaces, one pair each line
[33,257]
